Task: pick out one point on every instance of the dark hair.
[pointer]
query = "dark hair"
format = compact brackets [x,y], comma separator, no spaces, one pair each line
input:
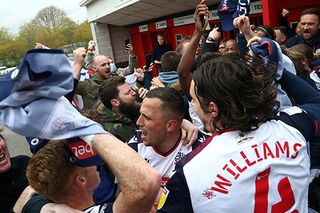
[170,61]
[268,31]
[108,90]
[172,101]
[241,87]
[312,11]
[283,30]
[208,56]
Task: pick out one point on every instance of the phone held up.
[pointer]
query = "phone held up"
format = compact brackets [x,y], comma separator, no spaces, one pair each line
[203,20]
[148,60]
[126,42]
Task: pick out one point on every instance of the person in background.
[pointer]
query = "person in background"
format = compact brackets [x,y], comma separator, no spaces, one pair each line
[158,51]
[310,30]
[13,179]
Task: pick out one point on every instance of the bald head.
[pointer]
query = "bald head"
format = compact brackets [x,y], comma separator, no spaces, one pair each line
[231,46]
[101,65]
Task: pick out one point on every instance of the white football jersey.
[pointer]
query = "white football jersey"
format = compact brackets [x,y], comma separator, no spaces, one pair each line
[163,162]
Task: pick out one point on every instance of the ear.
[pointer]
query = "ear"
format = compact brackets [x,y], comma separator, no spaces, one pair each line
[115,102]
[171,125]
[80,180]
[213,109]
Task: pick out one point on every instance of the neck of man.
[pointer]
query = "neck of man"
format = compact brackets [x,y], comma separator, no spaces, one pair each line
[172,139]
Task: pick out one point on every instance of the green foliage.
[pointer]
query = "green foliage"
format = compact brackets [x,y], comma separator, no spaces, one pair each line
[50,27]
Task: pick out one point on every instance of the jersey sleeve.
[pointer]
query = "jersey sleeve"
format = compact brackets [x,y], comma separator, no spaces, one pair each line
[306,117]
[177,198]
[35,204]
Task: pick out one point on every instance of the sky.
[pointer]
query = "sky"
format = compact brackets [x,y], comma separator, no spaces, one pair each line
[14,13]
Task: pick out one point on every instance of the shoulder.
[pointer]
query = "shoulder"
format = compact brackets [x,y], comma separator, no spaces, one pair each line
[294,41]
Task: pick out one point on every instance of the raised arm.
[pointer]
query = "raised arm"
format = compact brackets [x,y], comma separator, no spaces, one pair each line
[187,59]
[138,181]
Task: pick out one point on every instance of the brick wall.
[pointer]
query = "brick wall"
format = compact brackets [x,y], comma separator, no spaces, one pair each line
[118,36]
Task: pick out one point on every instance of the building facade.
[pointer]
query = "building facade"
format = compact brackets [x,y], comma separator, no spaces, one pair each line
[114,21]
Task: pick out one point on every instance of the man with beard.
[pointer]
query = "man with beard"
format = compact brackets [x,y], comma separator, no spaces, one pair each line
[121,108]
[310,30]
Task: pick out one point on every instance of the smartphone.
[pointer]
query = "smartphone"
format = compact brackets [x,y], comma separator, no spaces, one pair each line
[203,20]
[148,60]
[126,42]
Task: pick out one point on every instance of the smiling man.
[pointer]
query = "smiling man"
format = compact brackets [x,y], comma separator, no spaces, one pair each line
[310,32]
[12,177]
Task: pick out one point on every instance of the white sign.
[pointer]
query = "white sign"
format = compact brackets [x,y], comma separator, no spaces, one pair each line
[161,24]
[143,28]
[183,20]
[256,7]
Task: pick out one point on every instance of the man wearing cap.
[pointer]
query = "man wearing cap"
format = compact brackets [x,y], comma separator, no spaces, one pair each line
[52,173]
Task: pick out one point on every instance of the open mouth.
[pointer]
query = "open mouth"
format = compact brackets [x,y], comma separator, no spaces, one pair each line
[2,157]
[143,134]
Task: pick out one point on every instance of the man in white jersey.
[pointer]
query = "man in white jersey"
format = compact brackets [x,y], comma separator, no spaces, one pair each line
[51,174]
[255,161]
[158,139]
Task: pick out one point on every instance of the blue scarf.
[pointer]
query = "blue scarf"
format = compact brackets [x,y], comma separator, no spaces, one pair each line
[168,78]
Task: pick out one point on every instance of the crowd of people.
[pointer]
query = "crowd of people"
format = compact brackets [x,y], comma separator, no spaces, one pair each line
[226,125]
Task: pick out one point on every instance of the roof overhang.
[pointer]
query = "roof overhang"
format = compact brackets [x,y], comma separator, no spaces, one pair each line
[128,12]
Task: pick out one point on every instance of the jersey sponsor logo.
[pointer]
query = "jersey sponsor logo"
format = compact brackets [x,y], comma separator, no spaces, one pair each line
[233,169]
[164,180]
[82,150]
[163,198]
[178,157]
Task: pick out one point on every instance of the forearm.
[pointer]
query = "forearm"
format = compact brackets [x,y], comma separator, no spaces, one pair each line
[138,181]
[70,95]
[187,59]
[304,95]
[76,70]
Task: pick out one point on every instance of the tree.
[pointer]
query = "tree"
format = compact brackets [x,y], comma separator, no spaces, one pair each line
[49,18]
[5,35]
[67,28]
[83,33]
[50,27]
